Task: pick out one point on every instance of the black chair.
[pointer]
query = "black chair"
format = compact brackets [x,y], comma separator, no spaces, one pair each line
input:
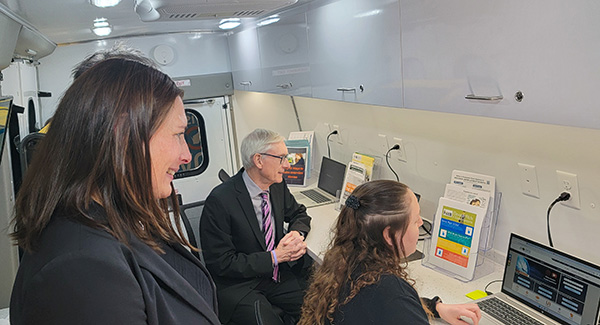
[223,176]
[190,215]
[263,318]
[27,149]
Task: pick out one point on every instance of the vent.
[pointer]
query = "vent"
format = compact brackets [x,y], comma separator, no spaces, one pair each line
[191,10]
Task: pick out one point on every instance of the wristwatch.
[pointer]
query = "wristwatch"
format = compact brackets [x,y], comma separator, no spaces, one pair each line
[434,301]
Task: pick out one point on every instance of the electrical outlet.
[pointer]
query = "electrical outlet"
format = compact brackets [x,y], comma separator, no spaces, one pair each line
[567,182]
[400,153]
[529,182]
[384,146]
[338,136]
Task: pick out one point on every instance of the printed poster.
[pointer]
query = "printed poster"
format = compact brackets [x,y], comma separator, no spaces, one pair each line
[296,174]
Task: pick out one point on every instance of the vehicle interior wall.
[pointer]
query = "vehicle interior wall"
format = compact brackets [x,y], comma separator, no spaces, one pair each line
[194,54]
[437,143]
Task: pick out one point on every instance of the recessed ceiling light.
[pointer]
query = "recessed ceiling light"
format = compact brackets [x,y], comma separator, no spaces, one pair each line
[229,23]
[269,20]
[101,27]
[105,3]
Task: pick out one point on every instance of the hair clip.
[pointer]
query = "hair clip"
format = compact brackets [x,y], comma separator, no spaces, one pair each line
[352,202]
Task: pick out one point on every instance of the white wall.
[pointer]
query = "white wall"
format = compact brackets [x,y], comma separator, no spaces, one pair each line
[437,143]
[195,54]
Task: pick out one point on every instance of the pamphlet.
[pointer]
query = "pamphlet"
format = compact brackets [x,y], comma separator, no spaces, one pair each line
[367,161]
[455,237]
[467,195]
[296,174]
[301,143]
[477,182]
[355,175]
[309,136]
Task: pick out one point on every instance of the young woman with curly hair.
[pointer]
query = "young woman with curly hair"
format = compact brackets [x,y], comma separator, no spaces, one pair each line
[363,278]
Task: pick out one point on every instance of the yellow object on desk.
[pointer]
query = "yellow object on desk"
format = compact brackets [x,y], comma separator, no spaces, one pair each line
[477,294]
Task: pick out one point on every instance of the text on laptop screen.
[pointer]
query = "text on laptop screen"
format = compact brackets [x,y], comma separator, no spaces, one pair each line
[331,176]
[560,286]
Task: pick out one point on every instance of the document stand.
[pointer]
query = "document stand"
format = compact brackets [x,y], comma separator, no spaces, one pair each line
[486,241]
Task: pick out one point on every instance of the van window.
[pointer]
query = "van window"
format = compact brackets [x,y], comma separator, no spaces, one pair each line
[195,136]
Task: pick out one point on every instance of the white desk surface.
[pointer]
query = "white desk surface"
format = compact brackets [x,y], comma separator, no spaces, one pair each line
[429,282]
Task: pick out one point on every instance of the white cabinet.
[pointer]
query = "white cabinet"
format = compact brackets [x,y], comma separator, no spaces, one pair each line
[272,58]
[284,56]
[244,54]
[548,49]
[354,43]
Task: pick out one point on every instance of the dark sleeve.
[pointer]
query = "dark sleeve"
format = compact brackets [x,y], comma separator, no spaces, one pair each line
[80,288]
[219,235]
[295,213]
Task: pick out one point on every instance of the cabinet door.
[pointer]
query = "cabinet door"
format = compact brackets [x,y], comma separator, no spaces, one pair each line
[548,49]
[354,43]
[284,56]
[244,55]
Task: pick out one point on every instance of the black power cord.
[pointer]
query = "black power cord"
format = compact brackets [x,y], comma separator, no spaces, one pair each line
[487,285]
[329,149]
[564,196]
[387,154]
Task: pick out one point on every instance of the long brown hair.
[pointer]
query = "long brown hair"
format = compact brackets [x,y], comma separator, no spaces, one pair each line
[358,245]
[97,149]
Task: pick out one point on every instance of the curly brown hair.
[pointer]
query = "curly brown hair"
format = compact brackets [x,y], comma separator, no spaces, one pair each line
[358,245]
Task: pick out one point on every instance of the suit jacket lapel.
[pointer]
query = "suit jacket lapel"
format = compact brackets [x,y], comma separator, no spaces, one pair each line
[277,208]
[151,261]
[246,205]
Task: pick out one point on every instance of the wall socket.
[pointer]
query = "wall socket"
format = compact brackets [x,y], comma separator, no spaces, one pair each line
[337,137]
[529,181]
[400,153]
[383,144]
[567,182]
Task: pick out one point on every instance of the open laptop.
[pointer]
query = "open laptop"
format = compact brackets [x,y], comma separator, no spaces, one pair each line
[549,286]
[331,179]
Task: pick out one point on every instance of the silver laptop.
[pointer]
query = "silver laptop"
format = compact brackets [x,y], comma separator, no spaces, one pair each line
[544,285]
[331,179]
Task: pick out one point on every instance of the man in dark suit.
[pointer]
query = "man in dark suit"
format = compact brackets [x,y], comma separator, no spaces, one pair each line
[251,258]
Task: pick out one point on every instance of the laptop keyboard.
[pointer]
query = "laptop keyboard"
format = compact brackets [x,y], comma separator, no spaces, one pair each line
[505,312]
[315,196]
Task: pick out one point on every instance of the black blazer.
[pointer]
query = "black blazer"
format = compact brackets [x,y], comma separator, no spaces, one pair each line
[233,245]
[83,275]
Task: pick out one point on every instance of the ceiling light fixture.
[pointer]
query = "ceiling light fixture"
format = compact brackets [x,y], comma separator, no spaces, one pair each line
[229,23]
[105,3]
[145,10]
[269,20]
[101,27]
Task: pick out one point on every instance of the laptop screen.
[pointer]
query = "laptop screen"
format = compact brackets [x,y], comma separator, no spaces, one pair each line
[554,283]
[331,176]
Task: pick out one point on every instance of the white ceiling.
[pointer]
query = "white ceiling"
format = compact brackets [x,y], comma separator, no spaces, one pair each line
[68,21]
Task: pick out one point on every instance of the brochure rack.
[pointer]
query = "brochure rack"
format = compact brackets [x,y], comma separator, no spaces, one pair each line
[456,255]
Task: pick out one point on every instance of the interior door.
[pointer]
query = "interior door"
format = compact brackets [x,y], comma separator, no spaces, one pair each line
[211,149]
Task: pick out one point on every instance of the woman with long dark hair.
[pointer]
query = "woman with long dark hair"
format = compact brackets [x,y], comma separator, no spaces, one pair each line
[92,215]
[363,278]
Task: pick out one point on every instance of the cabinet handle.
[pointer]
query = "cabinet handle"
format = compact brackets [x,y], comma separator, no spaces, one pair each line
[198,101]
[346,89]
[246,83]
[285,86]
[361,87]
[485,98]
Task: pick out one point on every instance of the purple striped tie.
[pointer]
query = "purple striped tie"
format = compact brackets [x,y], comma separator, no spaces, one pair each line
[268,229]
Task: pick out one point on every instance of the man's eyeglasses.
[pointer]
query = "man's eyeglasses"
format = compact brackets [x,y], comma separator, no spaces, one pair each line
[281,158]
